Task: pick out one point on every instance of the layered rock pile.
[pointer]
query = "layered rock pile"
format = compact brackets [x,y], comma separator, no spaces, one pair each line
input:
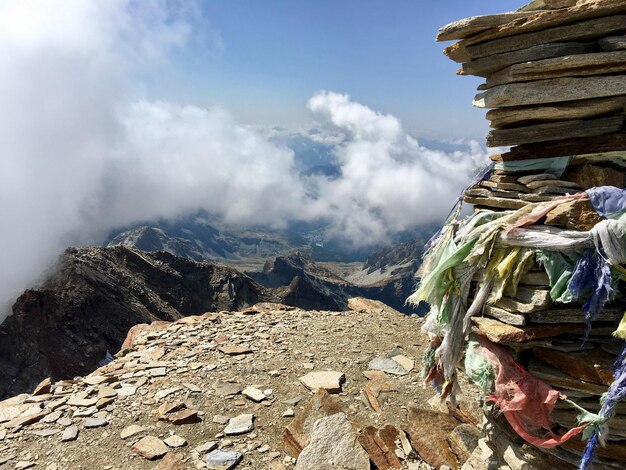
[556,75]
[527,292]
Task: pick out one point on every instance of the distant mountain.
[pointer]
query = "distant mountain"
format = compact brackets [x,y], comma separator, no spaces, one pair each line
[197,237]
[150,238]
[388,276]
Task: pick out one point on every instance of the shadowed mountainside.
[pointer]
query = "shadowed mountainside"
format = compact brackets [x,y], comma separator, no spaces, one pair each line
[85,308]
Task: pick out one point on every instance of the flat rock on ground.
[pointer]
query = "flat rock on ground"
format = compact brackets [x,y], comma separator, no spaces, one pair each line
[280,341]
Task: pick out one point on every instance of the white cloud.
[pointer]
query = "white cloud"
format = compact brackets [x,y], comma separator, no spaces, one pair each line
[83,152]
[389,183]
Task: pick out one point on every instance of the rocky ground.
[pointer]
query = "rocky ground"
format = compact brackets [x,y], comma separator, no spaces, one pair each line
[196,392]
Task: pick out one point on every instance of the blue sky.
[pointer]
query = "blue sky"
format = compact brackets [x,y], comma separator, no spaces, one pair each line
[274,54]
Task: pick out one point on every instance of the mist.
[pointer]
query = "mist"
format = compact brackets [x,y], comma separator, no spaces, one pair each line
[85,149]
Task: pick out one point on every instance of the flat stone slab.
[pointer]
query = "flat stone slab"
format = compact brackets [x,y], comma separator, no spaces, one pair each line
[328,380]
[226,388]
[131,430]
[242,424]
[254,394]
[95,422]
[206,447]
[387,365]
[406,363]
[175,441]
[70,433]
[333,444]
[222,459]
[46,432]
[234,350]
[551,91]
[150,447]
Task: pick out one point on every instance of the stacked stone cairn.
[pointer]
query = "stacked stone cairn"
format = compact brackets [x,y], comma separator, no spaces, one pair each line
[506,284]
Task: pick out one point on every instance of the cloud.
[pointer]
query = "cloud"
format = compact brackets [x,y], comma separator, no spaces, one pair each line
[83,150]
[389,183]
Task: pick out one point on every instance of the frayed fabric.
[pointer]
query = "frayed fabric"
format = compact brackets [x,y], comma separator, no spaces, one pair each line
[591,279]
[525,401]
[609,401]
[607,201]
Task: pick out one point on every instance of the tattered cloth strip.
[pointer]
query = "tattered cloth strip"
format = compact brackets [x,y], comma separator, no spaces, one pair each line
[591,278]
[555,166]
[608,201]
[525,401]
[504,245]
[453,215]
[615,393]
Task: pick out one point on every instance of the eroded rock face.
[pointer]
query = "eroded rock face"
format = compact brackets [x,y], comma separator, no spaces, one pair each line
[84,310]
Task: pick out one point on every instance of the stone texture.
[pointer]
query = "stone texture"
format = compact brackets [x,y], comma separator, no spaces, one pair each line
[387,365]
[222,459]
[106,305]
[565,147]
[574,215]
[234,350]
[559,67]
[242,424]
[561,380]
[170,462]
[175,441]
[131,430]
[542,5]
[554,131]
[581,31]
[499,332]
[43,387]
[328,380]
[333,444]
[504,315]
[613,43]
[296,434]
[70,433]
[548,112]
[95,422]
[380,446]
[590,366]
[495,202]
[589,176]
[227,388]
[150,448]
[406,363]
[428,431]
[553,182]
[254,394]
[463,440]
[485,66]
[476,24]
[544,20]
[551,91]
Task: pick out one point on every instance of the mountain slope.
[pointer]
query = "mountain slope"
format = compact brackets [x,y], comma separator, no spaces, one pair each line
[85,308]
